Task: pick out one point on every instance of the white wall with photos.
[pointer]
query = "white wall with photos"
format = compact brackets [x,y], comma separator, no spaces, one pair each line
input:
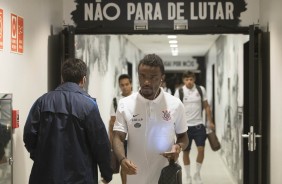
[106,57]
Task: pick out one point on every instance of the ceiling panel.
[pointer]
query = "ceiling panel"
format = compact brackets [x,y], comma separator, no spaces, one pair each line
[188,45]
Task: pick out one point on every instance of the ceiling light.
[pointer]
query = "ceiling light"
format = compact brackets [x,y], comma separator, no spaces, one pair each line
[171,36]
[173,45]
[174,51]
[172,41]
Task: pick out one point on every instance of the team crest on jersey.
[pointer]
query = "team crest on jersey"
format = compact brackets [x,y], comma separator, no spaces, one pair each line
[166,115]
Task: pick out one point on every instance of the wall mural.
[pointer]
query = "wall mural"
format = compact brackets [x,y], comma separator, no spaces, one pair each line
[228,58]
[106,57]
[219,69]
[92,49]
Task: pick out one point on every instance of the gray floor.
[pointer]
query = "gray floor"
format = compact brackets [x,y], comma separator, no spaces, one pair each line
[213,170]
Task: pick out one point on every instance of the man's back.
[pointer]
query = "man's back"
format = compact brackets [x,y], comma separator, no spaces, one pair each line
[67,139]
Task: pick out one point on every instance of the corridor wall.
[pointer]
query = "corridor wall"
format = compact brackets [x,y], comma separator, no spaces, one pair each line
[226,55]
[271,20]
[25,75]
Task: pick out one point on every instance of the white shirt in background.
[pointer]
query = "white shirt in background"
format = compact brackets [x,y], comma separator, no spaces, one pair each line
[193,105]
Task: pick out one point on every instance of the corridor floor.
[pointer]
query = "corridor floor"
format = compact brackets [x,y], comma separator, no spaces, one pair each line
[213,170]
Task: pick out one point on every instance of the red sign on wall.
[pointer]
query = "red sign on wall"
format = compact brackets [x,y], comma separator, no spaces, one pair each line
[20,35]
[1,29]
[14,33]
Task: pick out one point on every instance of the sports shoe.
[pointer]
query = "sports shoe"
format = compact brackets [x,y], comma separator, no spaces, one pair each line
[188,180]
[197,178]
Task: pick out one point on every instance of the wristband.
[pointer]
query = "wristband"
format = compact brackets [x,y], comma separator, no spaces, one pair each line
[121,160]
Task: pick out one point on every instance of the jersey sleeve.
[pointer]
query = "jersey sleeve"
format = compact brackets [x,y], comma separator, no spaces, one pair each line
[204,93]
[120,123]
[180,123]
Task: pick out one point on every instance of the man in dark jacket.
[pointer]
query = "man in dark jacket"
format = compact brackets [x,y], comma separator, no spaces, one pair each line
[65,135]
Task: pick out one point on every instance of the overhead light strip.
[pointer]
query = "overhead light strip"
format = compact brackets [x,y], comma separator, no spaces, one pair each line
[173,44]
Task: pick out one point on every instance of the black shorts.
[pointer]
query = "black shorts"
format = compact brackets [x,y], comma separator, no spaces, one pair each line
[198,134]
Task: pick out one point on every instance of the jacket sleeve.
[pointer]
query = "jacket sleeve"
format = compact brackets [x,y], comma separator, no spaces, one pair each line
[99,142]
[31,129]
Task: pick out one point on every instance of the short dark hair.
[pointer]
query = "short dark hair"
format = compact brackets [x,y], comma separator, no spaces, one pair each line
[73,70]
[188,74]
[124,76]
[152,60]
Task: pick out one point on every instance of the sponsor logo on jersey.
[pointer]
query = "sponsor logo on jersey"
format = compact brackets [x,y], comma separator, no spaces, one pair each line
[137,125]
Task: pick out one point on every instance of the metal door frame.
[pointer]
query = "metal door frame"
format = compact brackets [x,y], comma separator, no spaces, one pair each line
[258,64]
[257,108]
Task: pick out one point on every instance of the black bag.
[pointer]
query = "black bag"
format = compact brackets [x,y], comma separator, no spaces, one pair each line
[171,174]
[114,163]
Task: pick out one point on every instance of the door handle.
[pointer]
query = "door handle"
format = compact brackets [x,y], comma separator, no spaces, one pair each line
[11,161]
[251,139]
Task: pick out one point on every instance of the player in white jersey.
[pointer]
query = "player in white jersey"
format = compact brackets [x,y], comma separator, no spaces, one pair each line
[125,85]
[194,100]
[155,123]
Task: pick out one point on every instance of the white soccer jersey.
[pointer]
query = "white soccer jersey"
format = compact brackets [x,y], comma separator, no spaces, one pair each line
[193,105]
[151,126]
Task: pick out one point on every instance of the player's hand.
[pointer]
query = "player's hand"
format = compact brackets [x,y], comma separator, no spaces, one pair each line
[173,154]
[212,126]
[128,167]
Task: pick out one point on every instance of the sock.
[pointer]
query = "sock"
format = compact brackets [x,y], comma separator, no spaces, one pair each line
[198,167]
[187,170]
